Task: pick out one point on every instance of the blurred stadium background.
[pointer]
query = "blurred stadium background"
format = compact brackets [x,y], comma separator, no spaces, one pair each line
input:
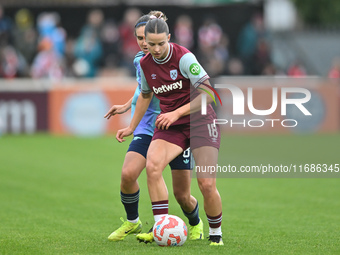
[64,63]
[46,68]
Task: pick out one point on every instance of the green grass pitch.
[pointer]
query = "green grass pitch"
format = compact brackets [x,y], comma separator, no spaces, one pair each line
[60,195]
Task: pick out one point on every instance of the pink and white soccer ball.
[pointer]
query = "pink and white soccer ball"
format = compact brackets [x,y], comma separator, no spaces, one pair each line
[170,230]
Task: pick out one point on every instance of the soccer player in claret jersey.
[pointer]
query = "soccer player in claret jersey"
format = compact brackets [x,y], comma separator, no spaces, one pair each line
[135,160]
[172,74]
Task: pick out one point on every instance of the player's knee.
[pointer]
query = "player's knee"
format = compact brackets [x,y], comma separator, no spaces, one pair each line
[183,198]
[128,177]
[153,169]
[207,187]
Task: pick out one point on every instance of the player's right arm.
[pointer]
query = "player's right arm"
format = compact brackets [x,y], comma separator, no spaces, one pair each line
[142,105]
[118,109]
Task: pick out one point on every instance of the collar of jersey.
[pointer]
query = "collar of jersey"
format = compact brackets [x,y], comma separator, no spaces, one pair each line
[167,58]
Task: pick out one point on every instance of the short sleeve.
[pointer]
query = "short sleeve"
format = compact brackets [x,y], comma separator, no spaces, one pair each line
[144,84]
[192,69]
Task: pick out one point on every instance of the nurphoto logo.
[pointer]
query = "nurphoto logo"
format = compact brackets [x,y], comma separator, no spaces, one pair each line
[240,100]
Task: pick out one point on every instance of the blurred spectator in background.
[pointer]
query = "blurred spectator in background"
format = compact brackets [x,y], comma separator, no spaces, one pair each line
[88,52]
[235,67]
[248,39]
[129,47]
[222,52]
[5,28]
[110,40]
[88,49]
[212,47]
[94,23]
[183,32]
[334,72]
[261,56]
[25,35]
[69,58]
[48,24]
[13,64]
[47,63]
[296,69]
[209,34]
[270,69]
[59,37]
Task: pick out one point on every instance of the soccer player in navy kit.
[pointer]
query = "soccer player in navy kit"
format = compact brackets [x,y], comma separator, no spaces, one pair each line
[172,74]
[135,159]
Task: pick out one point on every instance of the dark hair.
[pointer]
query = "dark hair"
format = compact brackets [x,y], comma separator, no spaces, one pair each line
[156,26]
[145,18]
[142,21]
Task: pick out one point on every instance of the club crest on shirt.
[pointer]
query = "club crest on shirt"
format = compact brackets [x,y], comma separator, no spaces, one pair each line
[173,74]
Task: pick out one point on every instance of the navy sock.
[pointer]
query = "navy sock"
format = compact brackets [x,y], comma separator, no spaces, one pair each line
[130,202]
[193,216]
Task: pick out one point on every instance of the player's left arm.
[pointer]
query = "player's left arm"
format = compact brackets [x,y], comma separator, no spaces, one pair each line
[191,69]
[196,104]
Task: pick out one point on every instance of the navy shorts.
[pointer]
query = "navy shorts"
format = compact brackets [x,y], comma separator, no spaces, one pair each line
[141,143]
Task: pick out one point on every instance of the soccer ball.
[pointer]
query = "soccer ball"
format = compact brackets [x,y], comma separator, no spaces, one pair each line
[170,230]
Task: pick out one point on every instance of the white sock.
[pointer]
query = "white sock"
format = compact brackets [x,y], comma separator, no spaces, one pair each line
[158,217]
[134,221]
[215,231]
